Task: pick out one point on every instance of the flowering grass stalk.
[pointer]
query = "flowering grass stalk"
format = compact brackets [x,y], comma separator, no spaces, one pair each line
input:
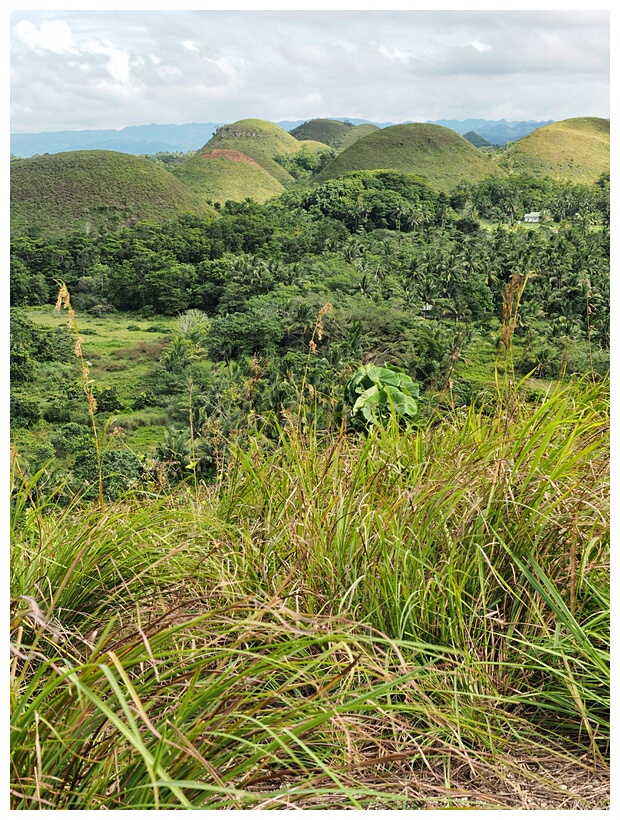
[64,301]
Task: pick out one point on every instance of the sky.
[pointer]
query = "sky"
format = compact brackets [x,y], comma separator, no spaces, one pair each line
[101,68]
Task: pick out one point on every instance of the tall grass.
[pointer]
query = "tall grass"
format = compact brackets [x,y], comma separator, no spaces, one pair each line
[418,619]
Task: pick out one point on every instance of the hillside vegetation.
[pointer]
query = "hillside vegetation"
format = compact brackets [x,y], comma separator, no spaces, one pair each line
[334,133]
[476,140]
[313,145]
[356,133]
[257,159]
[576,150]
[247,159]
[220,174]
[86,190]
[440,155]
[330,132]
[413,620]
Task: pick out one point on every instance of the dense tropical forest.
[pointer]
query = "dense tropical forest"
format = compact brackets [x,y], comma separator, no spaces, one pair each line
[309,494]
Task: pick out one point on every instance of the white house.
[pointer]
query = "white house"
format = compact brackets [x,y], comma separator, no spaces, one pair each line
[533,217]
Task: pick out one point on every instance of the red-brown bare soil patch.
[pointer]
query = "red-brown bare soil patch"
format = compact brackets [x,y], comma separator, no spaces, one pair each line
[228,153]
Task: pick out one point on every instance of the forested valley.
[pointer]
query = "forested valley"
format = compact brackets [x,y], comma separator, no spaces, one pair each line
[375,268]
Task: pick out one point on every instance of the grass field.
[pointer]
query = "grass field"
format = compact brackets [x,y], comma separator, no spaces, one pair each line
[123,351]
[119,346]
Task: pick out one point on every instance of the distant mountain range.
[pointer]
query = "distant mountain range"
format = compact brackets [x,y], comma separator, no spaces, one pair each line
[151,139]
[135,139]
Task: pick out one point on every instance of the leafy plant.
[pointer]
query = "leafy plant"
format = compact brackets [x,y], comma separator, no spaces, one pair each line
[377,394]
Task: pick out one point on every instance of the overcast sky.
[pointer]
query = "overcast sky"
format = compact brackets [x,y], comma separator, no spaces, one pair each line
[110,69]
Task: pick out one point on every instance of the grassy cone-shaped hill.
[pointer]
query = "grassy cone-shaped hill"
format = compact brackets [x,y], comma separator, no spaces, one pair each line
[576,150]
[221,174]
[335,134]
[439,154]
[329,132]
[259,140]
[91,189]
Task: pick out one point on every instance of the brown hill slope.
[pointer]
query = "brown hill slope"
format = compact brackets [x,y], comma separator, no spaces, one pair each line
[576,150]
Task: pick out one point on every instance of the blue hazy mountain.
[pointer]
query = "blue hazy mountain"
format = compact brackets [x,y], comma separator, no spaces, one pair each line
[495,132]
[135,139]
[151,139]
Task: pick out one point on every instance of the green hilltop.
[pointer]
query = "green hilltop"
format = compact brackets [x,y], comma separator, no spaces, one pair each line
[576,150]
[334,133]
[91,189]
[476,140]
[259,140]
[329,132]
[438,154]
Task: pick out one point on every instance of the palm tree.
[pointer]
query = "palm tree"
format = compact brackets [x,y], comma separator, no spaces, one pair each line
[301,323]
[353,249]
[193,325]
[428,287]
[366,286]
[175,452]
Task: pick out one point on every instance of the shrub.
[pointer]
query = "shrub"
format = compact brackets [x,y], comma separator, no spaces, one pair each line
[144,399]
[70,438]
[41,455]
[108,400]
[122,471]
[25,412]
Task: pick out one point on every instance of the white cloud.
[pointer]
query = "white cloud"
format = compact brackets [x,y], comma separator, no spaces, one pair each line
[480,46]
[115,92]
[226,66]
[118,65]
[190,45]
[169,71]
[348,46]
[312,54]
[54,36]
[395,55]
